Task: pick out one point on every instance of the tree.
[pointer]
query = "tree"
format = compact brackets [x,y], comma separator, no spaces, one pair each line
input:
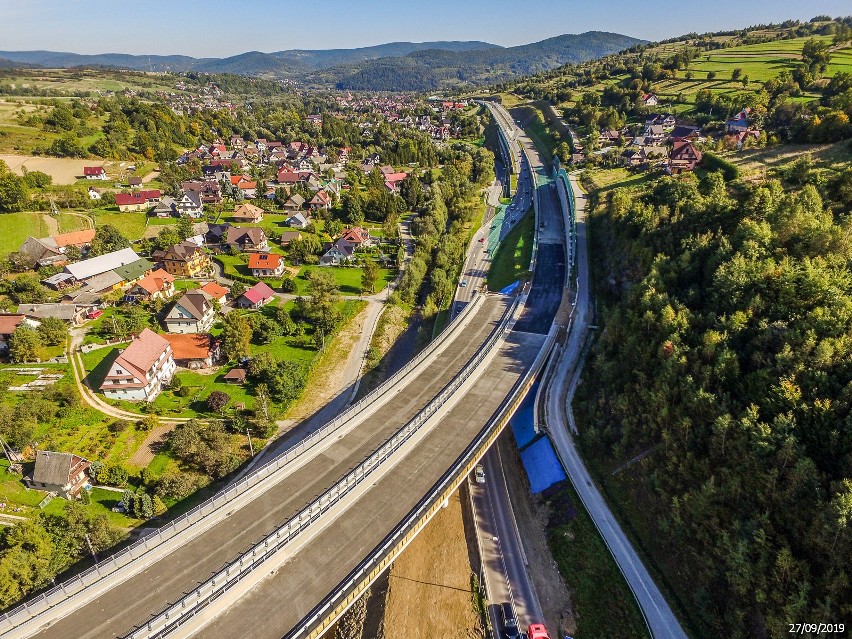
[24,344]
[217,401]
[14,195]
[736,74]
[711,75]
[369,274]
[184,228]
[816,56]
[107,239]
[53,331]
[236,336]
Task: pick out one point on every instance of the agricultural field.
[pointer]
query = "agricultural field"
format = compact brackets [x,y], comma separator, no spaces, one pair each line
[17,227]
[73,81]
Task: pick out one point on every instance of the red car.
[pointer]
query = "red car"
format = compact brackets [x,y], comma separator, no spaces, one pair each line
[537,631]
[95,313]
[481,240]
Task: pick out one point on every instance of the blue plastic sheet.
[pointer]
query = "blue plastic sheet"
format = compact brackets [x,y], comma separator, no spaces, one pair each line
[509,289]
[542,465]
[522,421]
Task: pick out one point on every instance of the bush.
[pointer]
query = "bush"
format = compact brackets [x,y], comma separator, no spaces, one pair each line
[713,162]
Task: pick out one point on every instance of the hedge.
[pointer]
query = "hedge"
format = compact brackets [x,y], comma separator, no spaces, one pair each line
[713,162]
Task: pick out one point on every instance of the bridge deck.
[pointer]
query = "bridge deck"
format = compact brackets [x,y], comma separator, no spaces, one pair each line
[282,600]
[149,592]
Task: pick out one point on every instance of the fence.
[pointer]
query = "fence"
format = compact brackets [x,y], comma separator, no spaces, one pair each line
[146,546]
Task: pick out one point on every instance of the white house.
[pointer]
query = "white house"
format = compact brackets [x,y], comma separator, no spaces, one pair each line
[141,370]
[192,313]
[189,204]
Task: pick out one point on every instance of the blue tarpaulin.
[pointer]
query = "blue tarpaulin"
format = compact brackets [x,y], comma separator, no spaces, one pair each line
[522,420]
[542,465]
[509,289]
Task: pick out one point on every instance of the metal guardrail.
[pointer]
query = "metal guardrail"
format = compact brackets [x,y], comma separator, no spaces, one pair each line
[182,611]
[376,562]
[25,612]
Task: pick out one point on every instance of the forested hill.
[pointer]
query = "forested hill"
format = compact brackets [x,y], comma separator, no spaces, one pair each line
[725,355]
[279,63]
[433,68]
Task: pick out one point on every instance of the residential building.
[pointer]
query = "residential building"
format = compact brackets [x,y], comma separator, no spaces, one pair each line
[94,173]
[189,205]
[321,200]
[738,123]
[357,236]
[216,233]
[193,312]
[216,292]
[266,264]
[134,182]
[72,314]
[289,236]
[134,271]
[256,296]
[683,157]
[248,213]
[186,260]
[649,99]
[156,285]
[251,238]
[295,203]
[298,221]
[166,207]
[60,473]
[338,253]
[194,350]
[101,264]
[8,323]
[141,370]
[138,200]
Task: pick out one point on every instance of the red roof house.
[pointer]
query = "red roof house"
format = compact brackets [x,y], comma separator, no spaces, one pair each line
[256,296]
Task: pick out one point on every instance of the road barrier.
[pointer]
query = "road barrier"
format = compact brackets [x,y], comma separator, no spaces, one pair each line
[182,611]
[115,568]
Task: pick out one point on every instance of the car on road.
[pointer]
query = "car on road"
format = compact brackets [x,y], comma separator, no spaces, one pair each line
[479,474]
[481,240]
[510,622]
[463,284]
[537,631]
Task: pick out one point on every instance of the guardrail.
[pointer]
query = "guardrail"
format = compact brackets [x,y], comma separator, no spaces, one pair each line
[368,570]
[182,611]
[24,613]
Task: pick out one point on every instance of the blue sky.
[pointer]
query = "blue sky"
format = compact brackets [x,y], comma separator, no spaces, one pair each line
[225,27]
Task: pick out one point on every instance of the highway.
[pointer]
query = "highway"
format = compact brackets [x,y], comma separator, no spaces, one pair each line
[659,617]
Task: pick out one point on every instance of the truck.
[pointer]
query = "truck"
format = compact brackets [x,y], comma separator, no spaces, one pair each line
[537,631]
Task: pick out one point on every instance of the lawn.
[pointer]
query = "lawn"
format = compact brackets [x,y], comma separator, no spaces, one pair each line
[131,225]
[348,279]
[603,180]
[15,228]
[512,259]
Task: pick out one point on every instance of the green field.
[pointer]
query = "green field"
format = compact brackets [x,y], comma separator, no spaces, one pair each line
[512,259]
[131,225]
[348,279]
[16,227]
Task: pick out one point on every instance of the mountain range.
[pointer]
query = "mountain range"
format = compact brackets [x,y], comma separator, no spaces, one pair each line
[390,66]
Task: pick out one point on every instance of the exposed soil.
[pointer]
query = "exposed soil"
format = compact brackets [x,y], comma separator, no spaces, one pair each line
[429,592]
[62,170]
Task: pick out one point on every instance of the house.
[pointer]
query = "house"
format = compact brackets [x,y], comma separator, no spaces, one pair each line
[357,236]
[186,259]
[134,182]
[297,221]
[60,473]
[256,296]
[69,313]
[685,132]
[208,189]
[320,200]
[738,123]
[683,157]
[157,285]
[8,323]
[134,271]
[248,213]
[94,173]
[43,251]
[94,194]
[216,292]
[338,253]
[216,233]
[649,99]
[609,136]
[251,238]
[94,288]
[138,201]
[193,312]
[266,265]
[101,264]
[295,203]
[141,370]
[235,376]
[194,350]
[166,207]
[189,204]
[289,236]
[287,176]
[654,133]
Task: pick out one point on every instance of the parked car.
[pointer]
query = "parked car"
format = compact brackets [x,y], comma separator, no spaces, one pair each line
[95,313]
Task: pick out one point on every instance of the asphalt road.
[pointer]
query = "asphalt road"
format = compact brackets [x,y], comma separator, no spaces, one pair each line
[131,602]
[660,619]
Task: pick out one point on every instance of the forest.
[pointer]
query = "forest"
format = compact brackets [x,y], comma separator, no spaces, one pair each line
[723,364]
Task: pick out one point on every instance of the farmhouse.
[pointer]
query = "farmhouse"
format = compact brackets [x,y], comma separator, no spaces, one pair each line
[141,370]
[94,173]
[60,473]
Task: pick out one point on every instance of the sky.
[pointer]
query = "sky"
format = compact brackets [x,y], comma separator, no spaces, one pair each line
[219,28]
